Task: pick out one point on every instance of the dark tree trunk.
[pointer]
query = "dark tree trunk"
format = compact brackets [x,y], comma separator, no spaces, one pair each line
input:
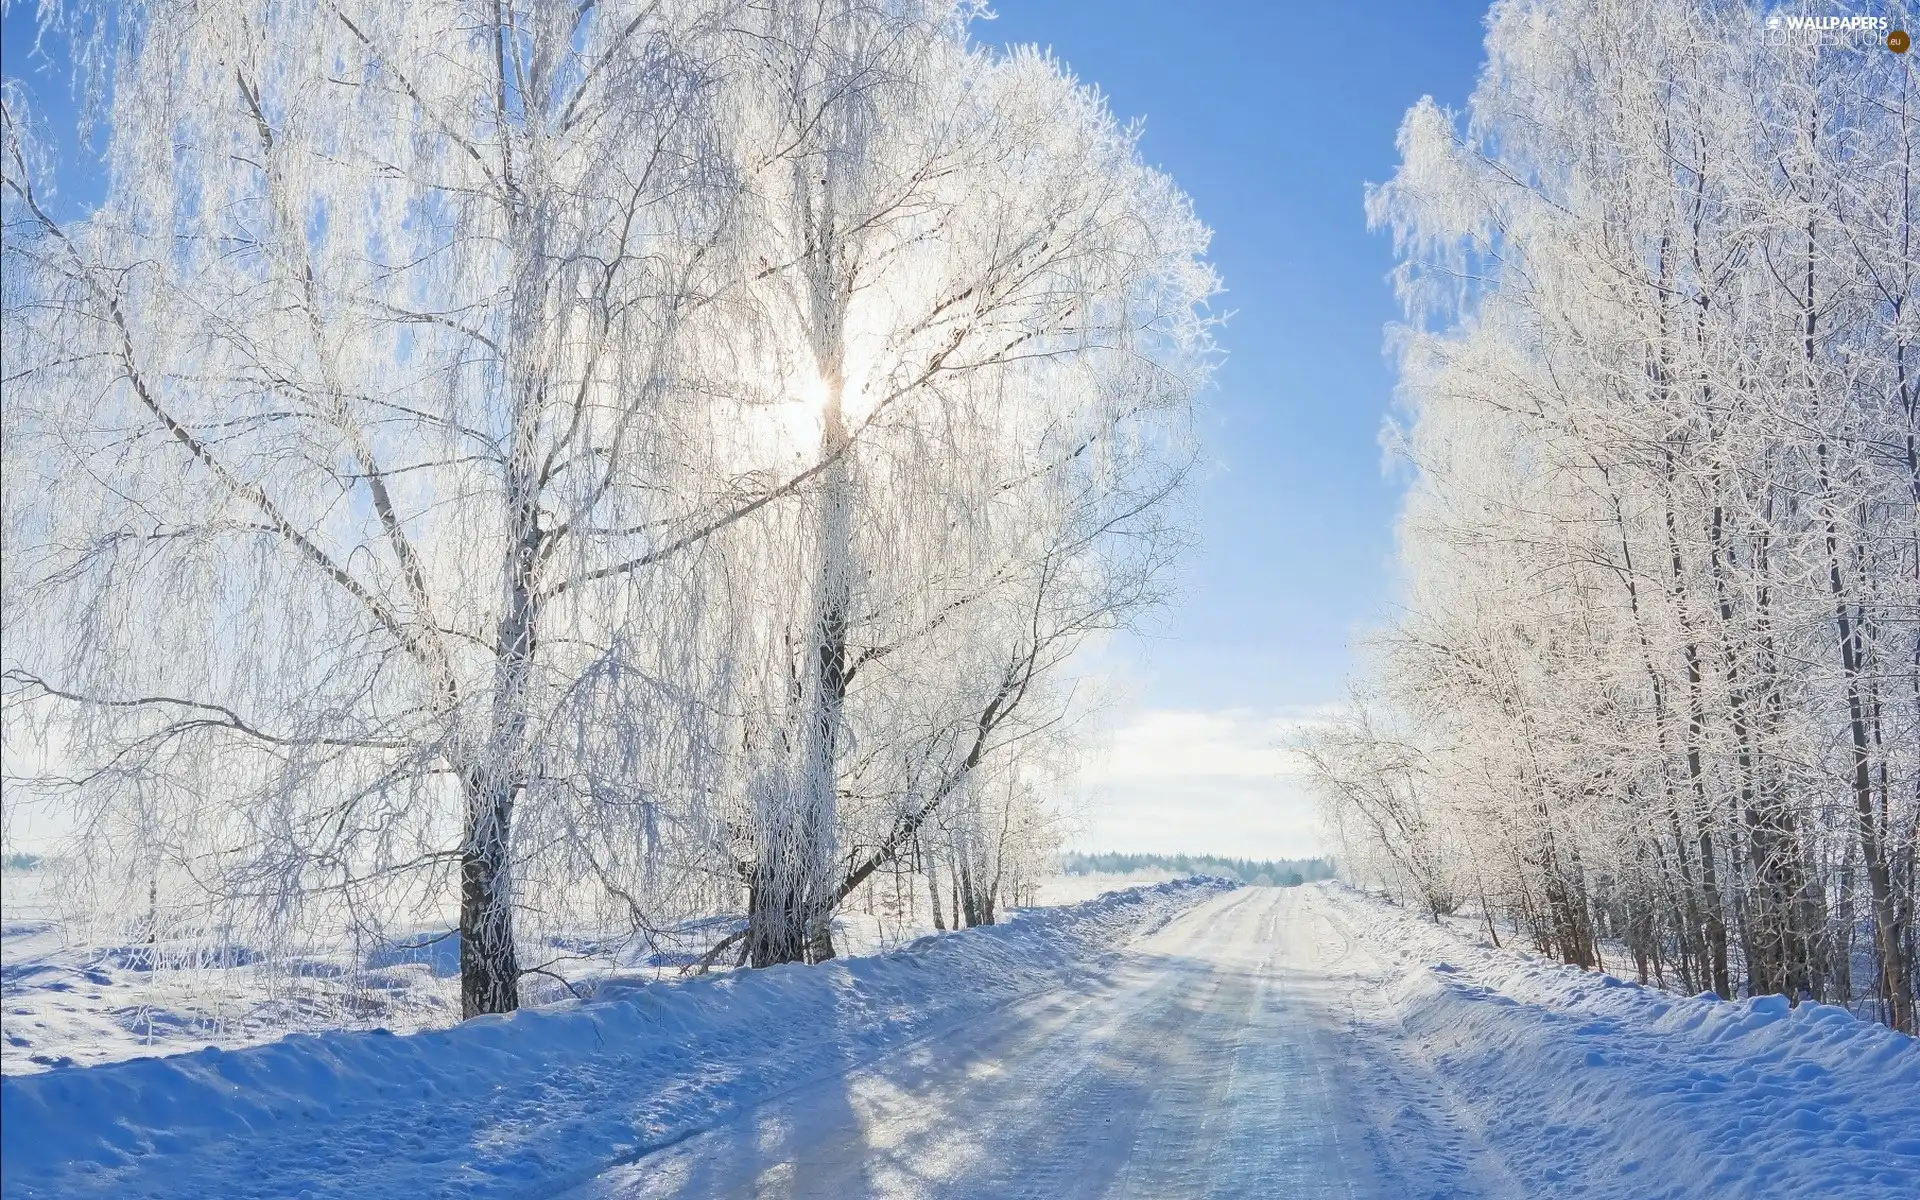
[489,962]
[1896,978]
[933,887]
[970,902]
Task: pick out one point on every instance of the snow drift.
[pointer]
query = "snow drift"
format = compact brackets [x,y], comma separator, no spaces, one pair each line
[1584,1083]
[537,1100]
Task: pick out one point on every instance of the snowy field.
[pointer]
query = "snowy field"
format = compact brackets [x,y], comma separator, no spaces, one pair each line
[1179,1039]
[70,1000]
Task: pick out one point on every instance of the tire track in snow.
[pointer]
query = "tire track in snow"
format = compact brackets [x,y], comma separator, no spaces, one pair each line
[1215,1064]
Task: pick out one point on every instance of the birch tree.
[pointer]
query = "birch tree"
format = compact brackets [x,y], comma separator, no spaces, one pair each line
[991,309]
[611,464]
[1659,644]
[348,429]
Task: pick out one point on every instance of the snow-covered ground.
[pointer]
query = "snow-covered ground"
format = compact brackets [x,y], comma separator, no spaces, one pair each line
[1174,1040]
[1566,1082]
[68,999]
[544,1098]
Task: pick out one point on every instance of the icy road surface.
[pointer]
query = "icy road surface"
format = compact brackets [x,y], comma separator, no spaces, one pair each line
[1273,1043]
[1218,1061]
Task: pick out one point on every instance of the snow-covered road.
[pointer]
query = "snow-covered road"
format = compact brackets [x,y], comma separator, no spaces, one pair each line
[1223,1058]
[1179,1040]
[1310,1042]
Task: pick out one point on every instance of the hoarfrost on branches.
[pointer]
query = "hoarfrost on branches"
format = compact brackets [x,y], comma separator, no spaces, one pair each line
[589,467]
[1657,679]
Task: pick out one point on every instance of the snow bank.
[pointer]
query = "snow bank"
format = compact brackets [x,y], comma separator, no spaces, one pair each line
[538,1100]
[73,997]
[1589,1084]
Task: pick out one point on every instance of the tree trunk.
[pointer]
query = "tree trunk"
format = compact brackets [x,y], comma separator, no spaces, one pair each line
[970,900]
[489,962]
[1716,925]
[933,886]
[1714,911]
[1896,977]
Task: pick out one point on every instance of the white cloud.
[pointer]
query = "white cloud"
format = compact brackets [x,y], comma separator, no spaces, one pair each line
[1214,782]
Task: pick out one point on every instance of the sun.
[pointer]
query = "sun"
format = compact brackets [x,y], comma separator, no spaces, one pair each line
[813,393]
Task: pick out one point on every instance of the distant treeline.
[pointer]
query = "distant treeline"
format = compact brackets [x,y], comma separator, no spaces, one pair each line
[1281,872]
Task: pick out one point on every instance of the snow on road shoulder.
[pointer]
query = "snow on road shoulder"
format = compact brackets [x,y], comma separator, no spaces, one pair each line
[80,988]
[540,1099]
[1587,1084]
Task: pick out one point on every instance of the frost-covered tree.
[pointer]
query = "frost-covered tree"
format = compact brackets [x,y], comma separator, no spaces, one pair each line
[1372,785]
[605,464]
[987,308]
[344,433]
[1661,551]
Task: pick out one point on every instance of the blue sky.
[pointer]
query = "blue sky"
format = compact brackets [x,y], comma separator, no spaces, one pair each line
[1273,117]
